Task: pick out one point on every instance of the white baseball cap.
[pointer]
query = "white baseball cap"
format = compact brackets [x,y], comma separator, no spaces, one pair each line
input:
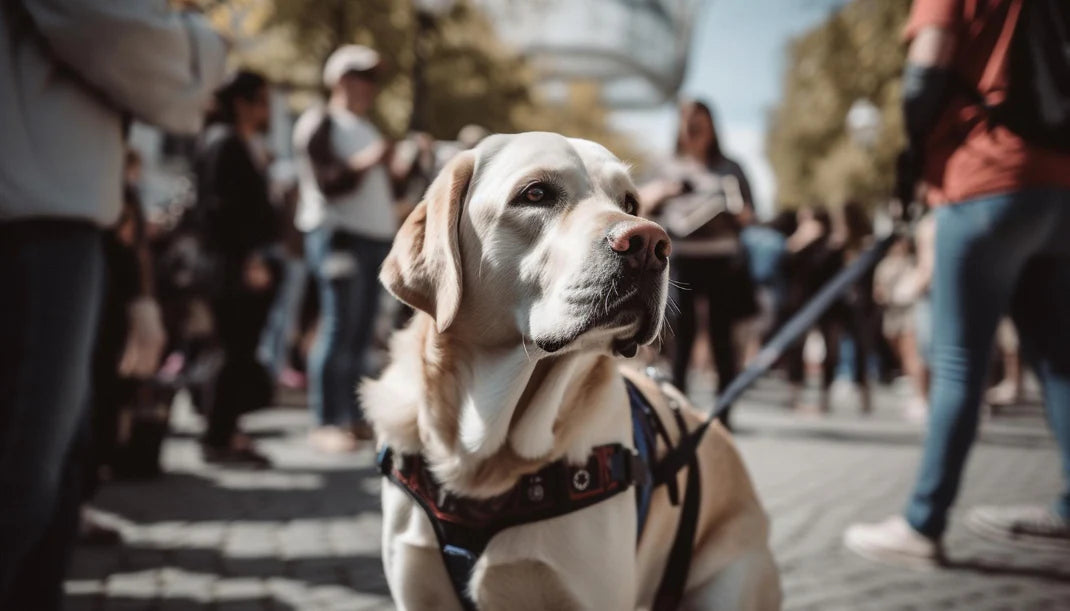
[348,58]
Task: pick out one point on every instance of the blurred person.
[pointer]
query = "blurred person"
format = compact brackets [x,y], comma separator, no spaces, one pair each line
[70,73]
[766,246]
[857,322]
[698,198]
[895,290]
[277,338]
[1002,197]
[117,365]
[240,226]
[347,214]
[812,261]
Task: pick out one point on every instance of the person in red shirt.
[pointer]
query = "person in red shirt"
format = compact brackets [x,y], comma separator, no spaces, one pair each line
[1002,217]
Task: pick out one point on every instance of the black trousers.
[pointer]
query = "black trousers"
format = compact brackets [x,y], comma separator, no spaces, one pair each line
[243,384]
[714,279]
[843,320]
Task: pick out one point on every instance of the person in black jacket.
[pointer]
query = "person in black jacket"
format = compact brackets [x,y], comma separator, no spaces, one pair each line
[239,223]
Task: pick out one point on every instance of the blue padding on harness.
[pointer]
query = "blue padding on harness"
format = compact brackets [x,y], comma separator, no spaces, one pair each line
[645,447]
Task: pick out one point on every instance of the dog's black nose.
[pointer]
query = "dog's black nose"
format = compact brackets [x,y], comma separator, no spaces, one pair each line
[643,244]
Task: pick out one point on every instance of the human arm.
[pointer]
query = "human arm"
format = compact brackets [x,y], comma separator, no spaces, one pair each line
[158,64]
[335,174]
[655,193]
[927,84]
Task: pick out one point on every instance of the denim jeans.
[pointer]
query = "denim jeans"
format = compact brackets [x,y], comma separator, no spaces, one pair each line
[51,286]
[994,255]
[273,351]
[346,268]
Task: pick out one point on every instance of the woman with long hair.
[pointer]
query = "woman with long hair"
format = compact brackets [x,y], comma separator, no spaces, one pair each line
[698,198]
[239,225]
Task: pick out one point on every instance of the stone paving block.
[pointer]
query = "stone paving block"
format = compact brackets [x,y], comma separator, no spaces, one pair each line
[141,585]
[182,584]
[203,534]
[239,588]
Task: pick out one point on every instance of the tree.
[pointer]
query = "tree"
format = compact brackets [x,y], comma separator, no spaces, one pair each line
[857,53]
[470,75]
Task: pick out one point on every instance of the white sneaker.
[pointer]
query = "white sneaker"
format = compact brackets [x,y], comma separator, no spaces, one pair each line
[893,541]
[1031,525]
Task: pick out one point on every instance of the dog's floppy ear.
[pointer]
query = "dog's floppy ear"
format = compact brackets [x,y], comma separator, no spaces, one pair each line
[423,268]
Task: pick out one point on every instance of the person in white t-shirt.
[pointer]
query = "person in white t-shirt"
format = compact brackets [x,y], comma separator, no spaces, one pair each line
[347,214]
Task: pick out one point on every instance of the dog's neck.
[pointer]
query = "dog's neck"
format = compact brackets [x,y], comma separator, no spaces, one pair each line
[482,417]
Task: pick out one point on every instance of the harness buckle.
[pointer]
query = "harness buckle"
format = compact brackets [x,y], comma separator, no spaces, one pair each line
[638,470]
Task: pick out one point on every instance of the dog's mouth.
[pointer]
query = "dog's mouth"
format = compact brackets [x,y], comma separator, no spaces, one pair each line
[636,310]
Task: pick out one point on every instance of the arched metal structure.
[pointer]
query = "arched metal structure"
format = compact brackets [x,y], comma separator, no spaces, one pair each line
[637,49]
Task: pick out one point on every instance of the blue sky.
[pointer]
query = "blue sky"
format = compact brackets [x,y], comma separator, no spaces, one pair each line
[737,61]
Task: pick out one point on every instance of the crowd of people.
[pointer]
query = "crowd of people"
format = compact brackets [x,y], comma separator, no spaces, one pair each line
[260,283]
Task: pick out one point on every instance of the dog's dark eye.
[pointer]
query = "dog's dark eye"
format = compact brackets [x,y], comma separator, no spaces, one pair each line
[537,193]
[631,205]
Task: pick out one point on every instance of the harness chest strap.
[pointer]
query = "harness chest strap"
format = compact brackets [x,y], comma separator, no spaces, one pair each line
[465,526]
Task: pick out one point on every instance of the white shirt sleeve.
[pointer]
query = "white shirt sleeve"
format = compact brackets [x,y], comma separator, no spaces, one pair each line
[158,64]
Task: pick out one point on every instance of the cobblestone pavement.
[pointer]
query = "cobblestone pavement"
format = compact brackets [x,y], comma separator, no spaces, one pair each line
[305,535]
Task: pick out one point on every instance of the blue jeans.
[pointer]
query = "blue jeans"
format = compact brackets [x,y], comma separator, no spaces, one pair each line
[994,255]
[275,339]
[346,268]
[51,287]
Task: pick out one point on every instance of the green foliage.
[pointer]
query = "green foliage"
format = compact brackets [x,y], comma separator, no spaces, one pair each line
[856,53]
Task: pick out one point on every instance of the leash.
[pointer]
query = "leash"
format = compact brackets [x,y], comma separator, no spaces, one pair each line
[789,333]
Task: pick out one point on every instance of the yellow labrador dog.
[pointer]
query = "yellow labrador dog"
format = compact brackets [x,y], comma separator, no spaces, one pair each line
[530,272]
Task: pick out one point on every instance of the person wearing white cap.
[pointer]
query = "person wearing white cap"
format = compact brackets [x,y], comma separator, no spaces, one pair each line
[347,214]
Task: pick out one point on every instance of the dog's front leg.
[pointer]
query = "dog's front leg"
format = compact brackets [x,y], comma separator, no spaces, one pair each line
[411,559]
[527,585]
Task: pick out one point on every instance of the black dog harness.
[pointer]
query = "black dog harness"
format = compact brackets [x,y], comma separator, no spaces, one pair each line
[464,526]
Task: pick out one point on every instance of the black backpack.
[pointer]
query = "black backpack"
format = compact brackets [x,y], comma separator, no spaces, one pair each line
[1037,106]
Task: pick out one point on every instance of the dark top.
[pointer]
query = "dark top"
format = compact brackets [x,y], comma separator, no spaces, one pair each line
[232,196]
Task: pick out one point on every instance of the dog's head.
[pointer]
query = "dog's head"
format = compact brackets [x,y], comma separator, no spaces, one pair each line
[534,238]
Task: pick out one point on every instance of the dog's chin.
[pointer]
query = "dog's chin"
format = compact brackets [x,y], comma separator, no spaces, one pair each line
[622,332]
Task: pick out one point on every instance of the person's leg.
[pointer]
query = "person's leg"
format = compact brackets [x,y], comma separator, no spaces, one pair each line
[722,344]
[982,246]
[981,249]
[52,276]
[862,333]
[244,383]
[370,255]
[39,583]
[316,250]
[1042,313]
[684,328]
[275,340]
[341,365]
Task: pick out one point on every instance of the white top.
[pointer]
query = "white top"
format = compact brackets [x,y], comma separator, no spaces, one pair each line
[367,210]
[69,72]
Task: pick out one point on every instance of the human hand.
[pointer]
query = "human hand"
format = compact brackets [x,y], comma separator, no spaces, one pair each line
[145,340]
[257,274]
